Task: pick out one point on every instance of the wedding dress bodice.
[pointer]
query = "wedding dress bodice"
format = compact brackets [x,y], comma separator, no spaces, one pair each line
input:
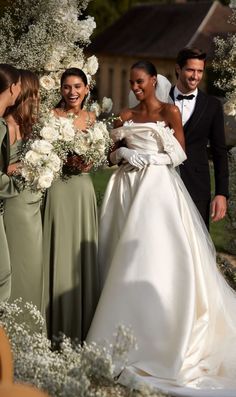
[150,138]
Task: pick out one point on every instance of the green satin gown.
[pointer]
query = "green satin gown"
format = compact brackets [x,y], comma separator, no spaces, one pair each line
[70,256]
[23,225]
[7,190]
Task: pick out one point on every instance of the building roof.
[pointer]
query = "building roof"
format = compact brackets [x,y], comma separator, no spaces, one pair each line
[160,30]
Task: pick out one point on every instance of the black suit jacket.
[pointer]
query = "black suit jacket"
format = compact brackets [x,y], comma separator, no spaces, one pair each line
[205,126]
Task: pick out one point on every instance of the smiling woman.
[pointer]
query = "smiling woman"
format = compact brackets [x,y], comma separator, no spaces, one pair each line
[70,227]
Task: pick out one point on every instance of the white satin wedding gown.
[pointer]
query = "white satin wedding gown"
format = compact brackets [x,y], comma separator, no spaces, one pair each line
[160,277]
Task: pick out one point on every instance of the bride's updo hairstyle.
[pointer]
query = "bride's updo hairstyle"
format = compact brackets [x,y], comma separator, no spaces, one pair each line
[8,75]
[162,85]
[72,72]
[148,66]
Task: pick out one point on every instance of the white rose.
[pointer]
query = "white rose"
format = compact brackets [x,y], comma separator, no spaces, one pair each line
[42,146]
[67,129]
[97,132]
[45,179]
[49,133]
[96,108]
[26,173]
[85,28]
[53,162]
[107,104]
[47,82]
[33,157]
[92,65]
[82,144]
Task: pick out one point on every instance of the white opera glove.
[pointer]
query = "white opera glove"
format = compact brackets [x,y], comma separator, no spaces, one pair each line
[130,155]
[156,159]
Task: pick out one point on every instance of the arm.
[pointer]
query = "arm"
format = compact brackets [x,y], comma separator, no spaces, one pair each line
[175,122]
[7,186]
[220,161]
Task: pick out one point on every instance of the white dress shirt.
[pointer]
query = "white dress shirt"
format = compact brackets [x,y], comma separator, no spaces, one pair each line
[185,106]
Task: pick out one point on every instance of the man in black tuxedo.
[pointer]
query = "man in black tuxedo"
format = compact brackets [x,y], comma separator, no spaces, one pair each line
[203,123]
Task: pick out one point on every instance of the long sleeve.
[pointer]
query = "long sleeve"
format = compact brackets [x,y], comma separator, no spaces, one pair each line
[7,186]
[219,152]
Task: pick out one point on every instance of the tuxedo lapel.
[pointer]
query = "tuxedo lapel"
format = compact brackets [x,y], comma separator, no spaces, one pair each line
[199,110]
[200,107]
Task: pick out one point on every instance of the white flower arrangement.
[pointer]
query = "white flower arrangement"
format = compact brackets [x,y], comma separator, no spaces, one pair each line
[72,370]
[48,38]
[45,155]
[93,144]
[40,166]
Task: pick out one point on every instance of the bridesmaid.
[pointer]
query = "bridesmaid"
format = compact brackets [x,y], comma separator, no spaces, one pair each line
[70,229]
[22,216]
[9,91]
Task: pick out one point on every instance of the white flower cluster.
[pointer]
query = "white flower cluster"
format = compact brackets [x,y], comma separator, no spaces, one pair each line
[93,144]
[44,156]
[48,38]
[72,370]
[105,107]
[40,166]
[224,64]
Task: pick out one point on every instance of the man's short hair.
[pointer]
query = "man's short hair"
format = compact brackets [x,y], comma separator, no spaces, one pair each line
[189,53]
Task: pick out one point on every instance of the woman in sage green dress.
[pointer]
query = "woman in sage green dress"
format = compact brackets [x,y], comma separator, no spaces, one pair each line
[22,216]
[9,91]
[70,229]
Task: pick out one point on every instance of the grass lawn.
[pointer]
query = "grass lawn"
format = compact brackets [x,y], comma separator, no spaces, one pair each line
[219,230]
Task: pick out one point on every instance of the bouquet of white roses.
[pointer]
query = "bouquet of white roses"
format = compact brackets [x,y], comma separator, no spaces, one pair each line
[40,165]
[56,140]
[93,144]
[44,155]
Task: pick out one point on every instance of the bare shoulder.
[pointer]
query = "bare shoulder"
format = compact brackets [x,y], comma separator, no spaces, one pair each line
[171,108]
[124,115]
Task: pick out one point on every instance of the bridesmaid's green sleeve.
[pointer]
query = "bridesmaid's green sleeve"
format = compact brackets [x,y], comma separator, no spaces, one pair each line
[7,186]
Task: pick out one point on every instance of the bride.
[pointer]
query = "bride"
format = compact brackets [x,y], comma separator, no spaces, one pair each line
[158,267]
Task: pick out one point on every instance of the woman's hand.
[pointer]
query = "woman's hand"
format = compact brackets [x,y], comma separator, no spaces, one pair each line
[77,163]
[13,168]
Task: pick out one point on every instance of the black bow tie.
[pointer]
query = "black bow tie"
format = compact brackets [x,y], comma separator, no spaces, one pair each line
[180,97]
